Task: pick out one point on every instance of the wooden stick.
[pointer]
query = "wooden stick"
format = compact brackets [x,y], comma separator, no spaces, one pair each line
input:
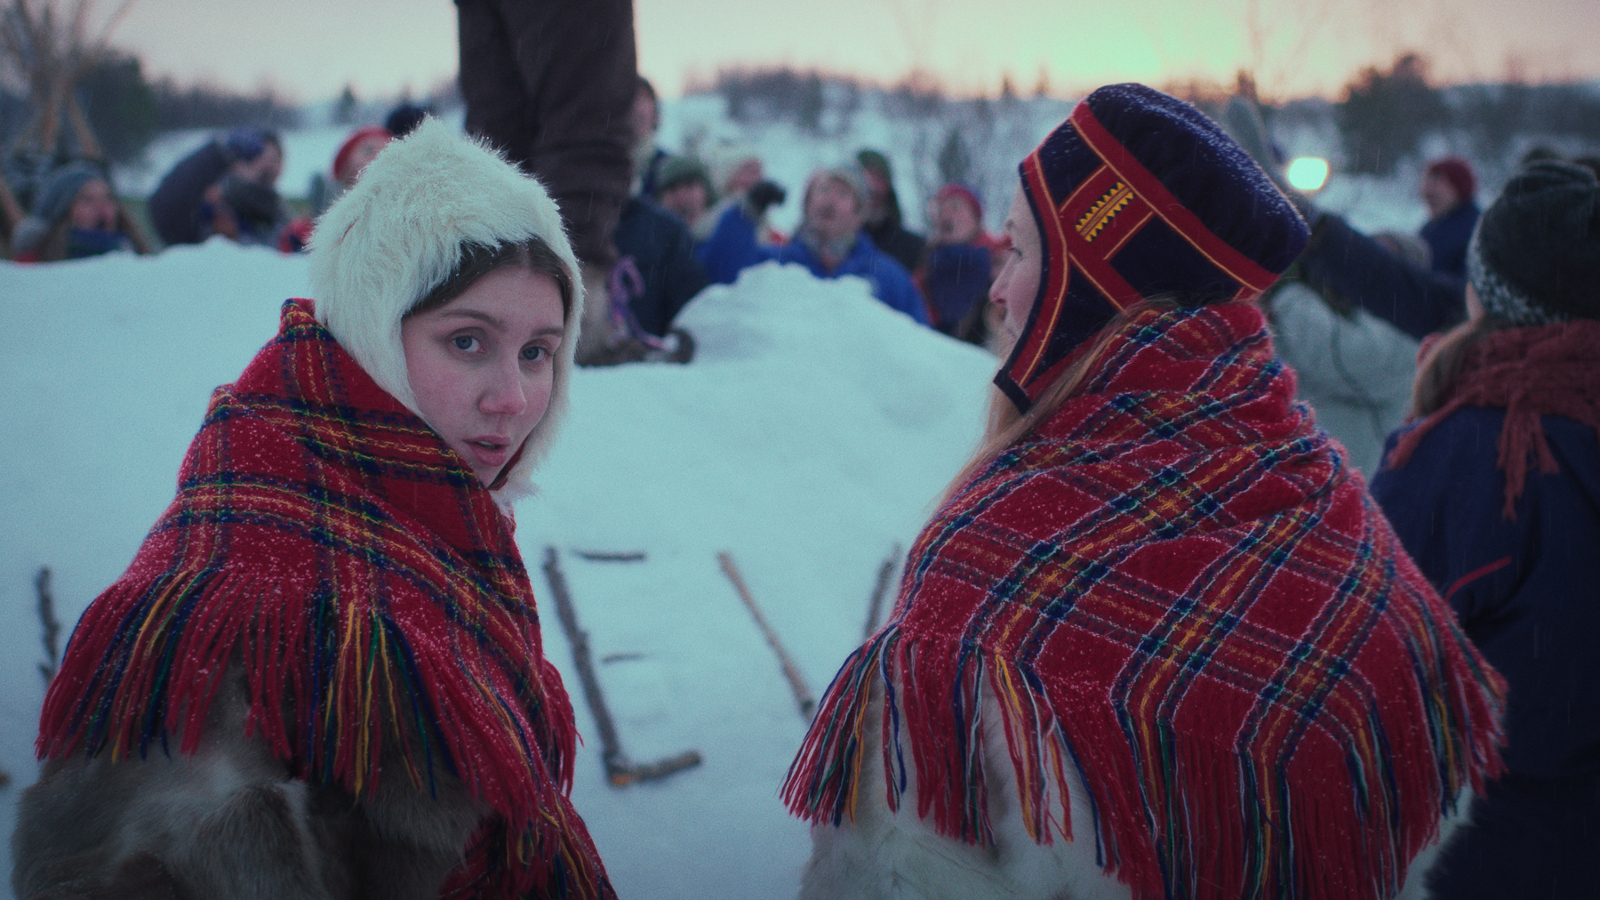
[797,682]
[612,555]
[661,768]
[875,605]
[619,771]
[616,762]
[51,626]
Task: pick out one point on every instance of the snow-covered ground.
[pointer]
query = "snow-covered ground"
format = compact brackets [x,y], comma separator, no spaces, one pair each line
[807,439]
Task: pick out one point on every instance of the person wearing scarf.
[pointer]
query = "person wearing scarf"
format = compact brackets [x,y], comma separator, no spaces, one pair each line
[322,675]
[76,215]
[1494,488]
[1157,641]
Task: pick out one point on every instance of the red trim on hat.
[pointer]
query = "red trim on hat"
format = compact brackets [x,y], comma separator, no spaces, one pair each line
[1103,207]
[1240,267]
[1052,294]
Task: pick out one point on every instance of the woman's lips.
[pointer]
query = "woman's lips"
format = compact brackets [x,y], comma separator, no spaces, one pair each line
[490,451]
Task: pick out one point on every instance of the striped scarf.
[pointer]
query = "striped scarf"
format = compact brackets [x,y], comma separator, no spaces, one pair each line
[1176,587]
[328,542]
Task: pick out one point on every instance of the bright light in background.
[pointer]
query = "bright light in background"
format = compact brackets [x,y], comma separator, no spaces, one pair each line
[1307,174]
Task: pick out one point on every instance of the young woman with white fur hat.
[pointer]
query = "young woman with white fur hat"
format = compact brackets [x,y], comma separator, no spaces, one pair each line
[322,675]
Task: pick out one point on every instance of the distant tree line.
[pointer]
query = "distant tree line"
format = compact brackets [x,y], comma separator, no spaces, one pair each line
[1383,118]
[1386,114]
[127,110]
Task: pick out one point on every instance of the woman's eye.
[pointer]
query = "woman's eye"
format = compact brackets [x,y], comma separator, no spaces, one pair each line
[534,354]
[464,342]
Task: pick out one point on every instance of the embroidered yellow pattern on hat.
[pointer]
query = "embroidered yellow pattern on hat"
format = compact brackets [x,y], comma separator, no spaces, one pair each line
[1104,210]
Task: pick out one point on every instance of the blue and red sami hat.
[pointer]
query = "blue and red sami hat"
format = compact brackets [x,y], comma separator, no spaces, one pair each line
[1139,196]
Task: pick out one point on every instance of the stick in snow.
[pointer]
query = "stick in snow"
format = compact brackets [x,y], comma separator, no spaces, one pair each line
[52,627]
[612,555]
[797,683]
[875,606]
[619,771]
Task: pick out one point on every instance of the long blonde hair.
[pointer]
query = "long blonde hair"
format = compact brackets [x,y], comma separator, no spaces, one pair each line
[1008,426]
[1439,367]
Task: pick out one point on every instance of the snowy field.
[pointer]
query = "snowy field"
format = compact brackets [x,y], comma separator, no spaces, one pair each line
[807,439]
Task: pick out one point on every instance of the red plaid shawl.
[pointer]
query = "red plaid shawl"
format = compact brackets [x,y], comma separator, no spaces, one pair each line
[1177,587]
[330,541]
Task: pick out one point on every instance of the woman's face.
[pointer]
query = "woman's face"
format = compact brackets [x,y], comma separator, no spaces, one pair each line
[956,222]
[93,209]
[482,365]
[1016,287]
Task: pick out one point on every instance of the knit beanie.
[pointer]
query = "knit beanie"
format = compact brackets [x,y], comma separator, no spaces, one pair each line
[1139,196]
[957,189]
[341,160]
[52,204]
[1534,258]
[876,162]
[400,232]
[726,160]
[245,143]
[1458,172]
[851,176]
[56,199]
[680,170]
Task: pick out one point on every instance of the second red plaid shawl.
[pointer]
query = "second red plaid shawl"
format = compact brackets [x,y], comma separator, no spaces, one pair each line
[1177,586]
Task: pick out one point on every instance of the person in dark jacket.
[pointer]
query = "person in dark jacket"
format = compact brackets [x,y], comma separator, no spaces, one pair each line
[648,158]
[228,186]
[1344,262]
[1449,189]
[830,242]
[658,270]
[1495,492]
[683,188]
[958,266]
[884,221]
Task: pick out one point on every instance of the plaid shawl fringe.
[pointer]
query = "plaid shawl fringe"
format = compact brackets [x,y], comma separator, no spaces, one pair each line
[1225,754]
[327,543]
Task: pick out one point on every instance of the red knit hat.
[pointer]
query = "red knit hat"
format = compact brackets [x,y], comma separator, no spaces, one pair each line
[341,160]
[957,189]
[1458,172]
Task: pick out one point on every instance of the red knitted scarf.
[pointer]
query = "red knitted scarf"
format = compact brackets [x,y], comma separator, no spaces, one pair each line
[330,543]
[1543,370]
[1175,587]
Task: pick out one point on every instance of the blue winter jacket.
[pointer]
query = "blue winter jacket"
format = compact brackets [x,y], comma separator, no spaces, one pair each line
[1527,591]
[1447,238]
[732,247]
[957,277]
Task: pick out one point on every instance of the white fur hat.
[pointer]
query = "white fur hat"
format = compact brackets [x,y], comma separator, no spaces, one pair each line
[399,233]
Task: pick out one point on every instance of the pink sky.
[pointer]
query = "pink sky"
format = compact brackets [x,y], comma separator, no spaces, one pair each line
[309,49]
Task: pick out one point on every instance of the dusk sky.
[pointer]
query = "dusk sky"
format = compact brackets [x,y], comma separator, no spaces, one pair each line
[308,50]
